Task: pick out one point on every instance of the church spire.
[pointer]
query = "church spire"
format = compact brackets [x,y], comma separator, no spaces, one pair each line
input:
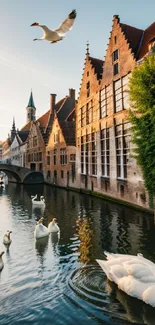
[13,130]
[31,101]
[31,109]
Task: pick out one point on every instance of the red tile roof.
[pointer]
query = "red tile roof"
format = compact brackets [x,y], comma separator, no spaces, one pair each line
[27,126]
[149,34]
[133,36]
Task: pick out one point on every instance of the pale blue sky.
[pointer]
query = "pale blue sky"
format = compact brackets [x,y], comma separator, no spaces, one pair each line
[53,68]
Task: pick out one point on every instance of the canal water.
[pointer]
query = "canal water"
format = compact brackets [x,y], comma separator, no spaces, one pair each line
[56,280]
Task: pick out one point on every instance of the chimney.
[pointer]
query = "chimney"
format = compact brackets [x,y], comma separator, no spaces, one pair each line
[72,93]
[52,101]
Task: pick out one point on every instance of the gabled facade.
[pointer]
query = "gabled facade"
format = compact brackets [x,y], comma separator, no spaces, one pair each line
[40,132]
[61,153]
[35,154]
[16,158]
[87,117]
[105,163]
[61,148]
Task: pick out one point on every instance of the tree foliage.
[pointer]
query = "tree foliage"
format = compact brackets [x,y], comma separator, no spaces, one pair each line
[142,117]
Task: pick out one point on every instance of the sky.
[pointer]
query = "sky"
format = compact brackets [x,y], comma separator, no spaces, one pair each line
[54,68]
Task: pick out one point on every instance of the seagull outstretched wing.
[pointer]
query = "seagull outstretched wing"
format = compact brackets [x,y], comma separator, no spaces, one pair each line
[67,24]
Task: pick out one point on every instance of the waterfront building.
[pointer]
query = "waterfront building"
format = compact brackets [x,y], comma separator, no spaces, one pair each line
[103,133]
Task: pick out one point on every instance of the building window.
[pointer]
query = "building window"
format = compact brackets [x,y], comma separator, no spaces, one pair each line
[88,88]
[83,116]
[89,112]
[115,56]
[115,39]
[48,160]
[48,174]
[72,157]
[35,142]
[93,154]
[63,156]
[115,69]
[121,100]
[87,73]
[82,154]
[105,152]
[55,156]
[62,174]
[105,96]
[122,149]
[56,136]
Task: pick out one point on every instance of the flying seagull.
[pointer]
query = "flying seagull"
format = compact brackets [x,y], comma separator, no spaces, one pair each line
[58,34]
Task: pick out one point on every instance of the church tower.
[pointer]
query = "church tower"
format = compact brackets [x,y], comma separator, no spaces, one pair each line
[31,110]
[13,130]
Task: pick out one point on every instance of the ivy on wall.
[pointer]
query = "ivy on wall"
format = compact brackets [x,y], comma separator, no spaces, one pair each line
[142,117]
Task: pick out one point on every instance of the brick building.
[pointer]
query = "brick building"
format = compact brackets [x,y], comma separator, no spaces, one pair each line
[103,137]
[61,149]
[44,136]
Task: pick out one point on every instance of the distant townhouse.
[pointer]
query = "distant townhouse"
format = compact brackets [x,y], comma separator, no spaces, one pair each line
[103,137]
[38,157]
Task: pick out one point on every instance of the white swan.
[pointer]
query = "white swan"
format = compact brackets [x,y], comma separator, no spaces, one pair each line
[40,230]
[53,227]
[58,34]
[40,203]
[1,261]
[6,238]
[134,275]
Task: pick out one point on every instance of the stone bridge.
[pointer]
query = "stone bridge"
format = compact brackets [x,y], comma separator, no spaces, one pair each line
[22,175]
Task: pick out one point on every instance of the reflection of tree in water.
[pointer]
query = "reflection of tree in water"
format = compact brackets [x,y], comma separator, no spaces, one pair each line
[85,233]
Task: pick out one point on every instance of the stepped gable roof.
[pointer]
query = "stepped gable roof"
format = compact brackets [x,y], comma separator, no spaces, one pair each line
[149,35]
[68,130]
[97,65]
[133,36]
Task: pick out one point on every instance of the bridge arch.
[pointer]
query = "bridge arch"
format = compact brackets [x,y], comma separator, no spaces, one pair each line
[12,176]
[34,178]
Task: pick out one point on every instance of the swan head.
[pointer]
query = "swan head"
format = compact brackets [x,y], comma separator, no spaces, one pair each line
[1,254]
[35,24]
[40,221]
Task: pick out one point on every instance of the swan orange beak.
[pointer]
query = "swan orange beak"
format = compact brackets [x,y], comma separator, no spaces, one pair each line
[34,24]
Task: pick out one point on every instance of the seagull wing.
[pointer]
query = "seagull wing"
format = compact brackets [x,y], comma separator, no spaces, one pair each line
[67,24]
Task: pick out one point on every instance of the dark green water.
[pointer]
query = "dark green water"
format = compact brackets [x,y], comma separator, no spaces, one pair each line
[56,280]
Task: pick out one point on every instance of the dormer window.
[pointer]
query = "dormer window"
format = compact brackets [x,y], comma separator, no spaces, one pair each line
[151,43]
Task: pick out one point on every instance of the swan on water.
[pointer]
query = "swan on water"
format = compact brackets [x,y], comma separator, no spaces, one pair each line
[134,275]
[41,202]
[53,36]
[6,238]
[1,261]
[53,227]
[40,230]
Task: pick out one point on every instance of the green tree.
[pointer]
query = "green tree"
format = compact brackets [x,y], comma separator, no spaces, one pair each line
[142,117]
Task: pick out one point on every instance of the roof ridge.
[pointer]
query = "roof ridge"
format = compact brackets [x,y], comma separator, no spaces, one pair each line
[64,100]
